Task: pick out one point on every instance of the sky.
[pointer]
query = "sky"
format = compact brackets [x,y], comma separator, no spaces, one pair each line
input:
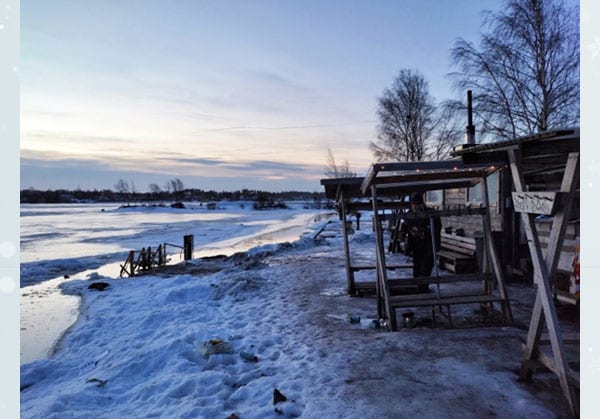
[223,95]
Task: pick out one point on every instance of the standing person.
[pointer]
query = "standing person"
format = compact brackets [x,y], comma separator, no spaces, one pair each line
[418,234]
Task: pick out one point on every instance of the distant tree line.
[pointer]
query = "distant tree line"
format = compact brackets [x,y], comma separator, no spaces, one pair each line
[34,196]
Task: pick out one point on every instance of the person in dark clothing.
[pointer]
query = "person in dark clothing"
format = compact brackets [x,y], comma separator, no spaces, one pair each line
[418,238]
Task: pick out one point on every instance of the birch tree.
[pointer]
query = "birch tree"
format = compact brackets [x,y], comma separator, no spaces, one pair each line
[525,73]
[411,127]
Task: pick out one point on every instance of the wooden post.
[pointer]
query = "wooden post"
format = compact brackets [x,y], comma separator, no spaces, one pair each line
[493,256]
[129,260]
[349,273]
[159,255]
[131,263]
[434,245]
[382,287]
[188,247]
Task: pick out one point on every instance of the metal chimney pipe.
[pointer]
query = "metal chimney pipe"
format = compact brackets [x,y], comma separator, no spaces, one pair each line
[470,137]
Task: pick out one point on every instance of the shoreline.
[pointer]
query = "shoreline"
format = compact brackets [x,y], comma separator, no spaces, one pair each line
[55,336]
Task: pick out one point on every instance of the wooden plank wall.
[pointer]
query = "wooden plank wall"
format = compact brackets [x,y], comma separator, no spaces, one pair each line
[568,248]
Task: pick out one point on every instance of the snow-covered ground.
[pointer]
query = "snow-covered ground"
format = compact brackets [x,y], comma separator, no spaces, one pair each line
[78,240]
[216,337]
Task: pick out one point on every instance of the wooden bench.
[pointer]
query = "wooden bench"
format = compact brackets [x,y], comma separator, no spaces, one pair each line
[457,254]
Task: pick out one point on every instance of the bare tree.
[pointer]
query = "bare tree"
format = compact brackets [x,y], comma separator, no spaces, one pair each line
[334,170]
[406,119]
[525,74]
[177,188]
[449,130]
[411,126]
[133,191]
[122,187]
[154,188]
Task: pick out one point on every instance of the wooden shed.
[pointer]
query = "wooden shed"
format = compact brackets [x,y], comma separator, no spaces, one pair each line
[544,170]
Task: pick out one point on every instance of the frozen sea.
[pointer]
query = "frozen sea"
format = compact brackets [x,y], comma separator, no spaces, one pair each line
[60,242]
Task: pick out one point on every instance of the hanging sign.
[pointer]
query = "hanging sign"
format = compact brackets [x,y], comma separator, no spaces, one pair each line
[536,202]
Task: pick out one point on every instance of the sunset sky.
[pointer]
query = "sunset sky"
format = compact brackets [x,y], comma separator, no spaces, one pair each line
[222,94]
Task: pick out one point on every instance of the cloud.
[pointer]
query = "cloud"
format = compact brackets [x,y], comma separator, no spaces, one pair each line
[268,168]
[195,161]
[48,169]
[273,166]
[270,77]
[73,174]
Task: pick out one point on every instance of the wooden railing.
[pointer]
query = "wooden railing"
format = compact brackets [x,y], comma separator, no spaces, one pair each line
[146,259]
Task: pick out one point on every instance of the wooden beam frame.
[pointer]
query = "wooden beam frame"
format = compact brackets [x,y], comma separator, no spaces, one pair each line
[544,269]
[424,171]
[385,177]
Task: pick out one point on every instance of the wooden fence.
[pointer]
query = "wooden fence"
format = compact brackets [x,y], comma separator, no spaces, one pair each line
[146,259]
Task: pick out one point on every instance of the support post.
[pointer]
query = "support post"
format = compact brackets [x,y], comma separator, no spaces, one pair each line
[384,307]
[349,273]
[188,247]
[491,251]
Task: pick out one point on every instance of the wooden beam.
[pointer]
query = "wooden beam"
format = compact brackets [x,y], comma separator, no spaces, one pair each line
[368,206]
[420,176]
[349,271]
[376,172]
[384,308]
[433,165]
[445,279]
[492,254]
[427,185]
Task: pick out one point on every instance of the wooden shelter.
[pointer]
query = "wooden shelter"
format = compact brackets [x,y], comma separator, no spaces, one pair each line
[545,175]
[392,180]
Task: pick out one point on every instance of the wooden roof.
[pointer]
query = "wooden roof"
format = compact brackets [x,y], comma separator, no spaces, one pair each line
[406,177]
[543,155]
[349,185]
